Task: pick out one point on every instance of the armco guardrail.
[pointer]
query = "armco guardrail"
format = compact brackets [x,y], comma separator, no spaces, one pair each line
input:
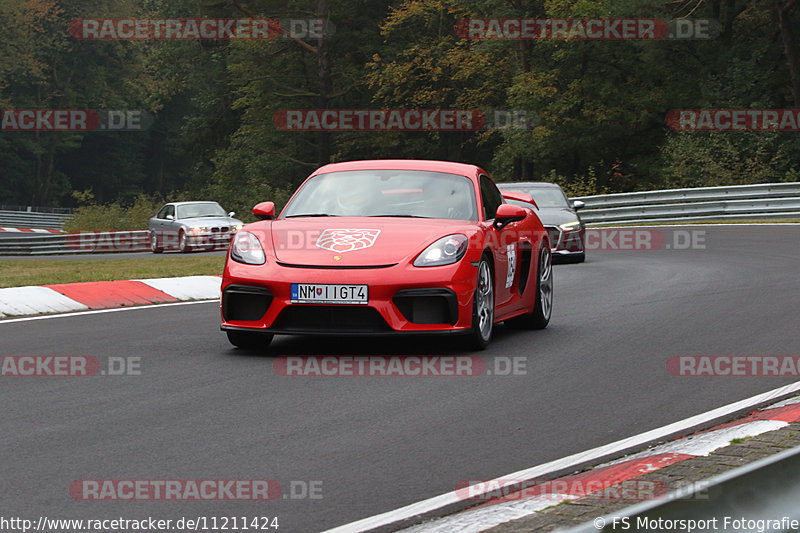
[77,243]
[765,201]
[25,219]
[768,201]
[32,209]
[766,490]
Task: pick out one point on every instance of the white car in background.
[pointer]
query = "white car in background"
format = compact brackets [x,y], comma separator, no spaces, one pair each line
[186,226]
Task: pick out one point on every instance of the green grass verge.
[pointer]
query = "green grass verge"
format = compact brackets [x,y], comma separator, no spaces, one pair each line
[45,272]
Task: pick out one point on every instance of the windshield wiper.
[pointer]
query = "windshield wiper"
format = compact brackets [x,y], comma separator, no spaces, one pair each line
[311,215]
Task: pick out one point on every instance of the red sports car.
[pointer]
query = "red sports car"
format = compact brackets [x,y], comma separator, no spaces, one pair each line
[384,247]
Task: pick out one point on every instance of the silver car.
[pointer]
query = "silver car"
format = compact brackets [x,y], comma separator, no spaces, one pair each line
[189,225]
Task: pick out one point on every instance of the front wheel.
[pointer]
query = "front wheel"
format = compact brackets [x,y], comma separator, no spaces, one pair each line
[482,307]
[154,243]
[539,317]
[183,242]
[248,340]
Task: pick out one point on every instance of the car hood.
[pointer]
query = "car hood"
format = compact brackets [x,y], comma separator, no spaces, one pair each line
[355,241]
[553,216]
[209,222]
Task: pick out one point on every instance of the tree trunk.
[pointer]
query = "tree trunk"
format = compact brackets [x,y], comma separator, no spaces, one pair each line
[48,175]
[325,82]
[36,190]
[789,46]
[522,44]
[522,169]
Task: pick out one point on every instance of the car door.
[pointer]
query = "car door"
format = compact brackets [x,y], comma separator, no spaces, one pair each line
[503,243]
[157,222]
[164,226]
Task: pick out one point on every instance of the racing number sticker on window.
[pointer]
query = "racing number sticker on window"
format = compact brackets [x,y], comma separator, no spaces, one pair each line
[511,251]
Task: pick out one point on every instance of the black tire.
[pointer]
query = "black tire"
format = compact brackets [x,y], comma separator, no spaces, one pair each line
[156,249]
[483,299]
[574,258]
[247,340]
[183,242]
[539,317]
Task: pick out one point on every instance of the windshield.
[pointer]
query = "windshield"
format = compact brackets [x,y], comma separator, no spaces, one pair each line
[201,209]
[544,198]
[389,193]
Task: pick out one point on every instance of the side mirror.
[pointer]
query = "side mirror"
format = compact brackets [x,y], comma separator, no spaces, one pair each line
[508,213]
[232,214]
[577,204]
[264,211]
[519,196]
[170,217]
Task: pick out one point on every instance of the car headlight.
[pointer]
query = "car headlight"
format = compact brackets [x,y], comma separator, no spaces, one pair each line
[246,249]
[236,227]
[198,230]
[445,251]
[570,226]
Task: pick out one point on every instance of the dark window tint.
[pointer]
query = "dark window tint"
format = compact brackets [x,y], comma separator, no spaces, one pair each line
[386,193]
[491,198]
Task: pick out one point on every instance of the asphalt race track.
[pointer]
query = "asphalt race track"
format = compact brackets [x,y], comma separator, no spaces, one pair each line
[203,410]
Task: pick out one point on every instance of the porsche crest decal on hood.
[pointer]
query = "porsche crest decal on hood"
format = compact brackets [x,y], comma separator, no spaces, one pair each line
[347,240]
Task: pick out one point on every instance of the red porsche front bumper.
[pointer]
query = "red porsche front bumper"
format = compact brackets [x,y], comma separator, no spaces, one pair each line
[402,299]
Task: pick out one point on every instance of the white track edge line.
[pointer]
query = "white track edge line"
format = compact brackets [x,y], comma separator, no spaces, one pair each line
[99,311]
[431,504]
